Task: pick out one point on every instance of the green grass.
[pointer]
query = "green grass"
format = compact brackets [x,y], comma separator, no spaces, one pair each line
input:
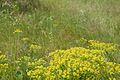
[58,24]
[63,22]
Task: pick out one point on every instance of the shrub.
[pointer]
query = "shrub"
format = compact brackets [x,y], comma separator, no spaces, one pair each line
[77,63]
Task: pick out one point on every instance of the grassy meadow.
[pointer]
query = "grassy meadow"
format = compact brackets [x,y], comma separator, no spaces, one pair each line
[59,39]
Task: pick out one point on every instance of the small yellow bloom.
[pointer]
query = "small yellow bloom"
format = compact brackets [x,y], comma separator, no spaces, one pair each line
[25,39]
[18,31]
[34,46]
[114,78]
[75,74]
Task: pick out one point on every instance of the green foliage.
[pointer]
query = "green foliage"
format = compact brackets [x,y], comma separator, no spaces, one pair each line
[31,29]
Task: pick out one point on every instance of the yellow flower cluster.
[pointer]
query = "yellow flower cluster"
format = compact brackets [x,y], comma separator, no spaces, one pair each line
[2,57]
[76,63]
[37,73]
[3,67]
[3,64]
[36,69]
[36,62]
[83,40]
[34,48]
[102,46]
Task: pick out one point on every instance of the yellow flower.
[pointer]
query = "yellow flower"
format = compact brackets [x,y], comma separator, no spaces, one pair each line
[2,57]
[60,72]
[112,78]
[34,46]
[18,31]
[75,74]
[117,68]
[68,77]
[25,39]
[63,76]
[83,40]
